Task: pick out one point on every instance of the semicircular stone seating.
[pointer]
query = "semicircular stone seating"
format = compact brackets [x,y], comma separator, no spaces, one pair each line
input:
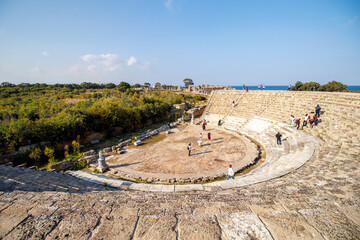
[297,148]
[319,200]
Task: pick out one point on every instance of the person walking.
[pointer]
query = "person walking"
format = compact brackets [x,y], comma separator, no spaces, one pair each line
[278,138]
[189,149]
[209,136]
[200,136]
[230,172]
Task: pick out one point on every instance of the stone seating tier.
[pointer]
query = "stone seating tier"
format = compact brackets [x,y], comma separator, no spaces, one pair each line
[319,200]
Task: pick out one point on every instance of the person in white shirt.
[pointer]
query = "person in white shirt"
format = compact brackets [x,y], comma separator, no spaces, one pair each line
[306,119]
[230,172]
[292,120]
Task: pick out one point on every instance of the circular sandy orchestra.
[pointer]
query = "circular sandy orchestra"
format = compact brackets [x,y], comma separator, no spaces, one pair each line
[165,158]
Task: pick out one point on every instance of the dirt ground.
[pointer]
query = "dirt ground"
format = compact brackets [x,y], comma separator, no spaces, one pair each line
[166,155]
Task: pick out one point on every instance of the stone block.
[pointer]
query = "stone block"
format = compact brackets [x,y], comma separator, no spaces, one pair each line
[107,150]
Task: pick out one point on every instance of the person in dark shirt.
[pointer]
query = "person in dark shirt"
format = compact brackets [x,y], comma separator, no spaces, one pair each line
[278,138]
[189,148]
[317,110]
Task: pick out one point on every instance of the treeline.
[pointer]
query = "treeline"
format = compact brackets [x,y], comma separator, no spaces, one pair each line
[58,113]
[332,86]
[6,88]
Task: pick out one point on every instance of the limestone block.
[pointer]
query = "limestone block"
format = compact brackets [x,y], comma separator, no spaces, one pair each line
[61,166]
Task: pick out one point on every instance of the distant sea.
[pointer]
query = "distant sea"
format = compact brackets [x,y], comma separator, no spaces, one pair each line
[283,87]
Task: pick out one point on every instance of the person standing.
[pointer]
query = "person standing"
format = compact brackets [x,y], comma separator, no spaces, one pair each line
[189,149]
[200,136]
[306,119]
[204,124]
[317,110]
[298,123]
[230,172]
[209,136]
[278,138]
[292,120]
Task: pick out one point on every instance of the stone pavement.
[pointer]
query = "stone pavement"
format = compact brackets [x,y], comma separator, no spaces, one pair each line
[319,200]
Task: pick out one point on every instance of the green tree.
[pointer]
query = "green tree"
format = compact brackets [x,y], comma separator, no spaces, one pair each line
[123,86]
[333,86]
[110,85]
[136,85]
[188,82]
[157,85]
[147,85]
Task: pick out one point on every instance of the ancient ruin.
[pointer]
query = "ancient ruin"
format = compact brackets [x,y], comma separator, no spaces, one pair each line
[306,188]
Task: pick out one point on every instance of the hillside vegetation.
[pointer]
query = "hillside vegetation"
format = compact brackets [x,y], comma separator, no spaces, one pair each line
[34,113]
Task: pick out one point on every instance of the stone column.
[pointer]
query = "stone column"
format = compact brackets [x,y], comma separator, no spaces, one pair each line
[102,166]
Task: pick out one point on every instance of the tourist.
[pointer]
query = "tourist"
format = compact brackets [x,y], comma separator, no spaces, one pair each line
[298,123]
[278,138]
[230,172]
[317,110]
[315,120]
[263,87]
[259,87]
[243,86]
[289,87]
[233,104]
[306,119]
[292,120]
[247,89]
[311,121]
[200,136]
[204,124]
[189,148]
[219,122]
[169,125]
[209,136]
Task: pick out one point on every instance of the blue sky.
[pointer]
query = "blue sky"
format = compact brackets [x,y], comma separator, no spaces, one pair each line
[213,42]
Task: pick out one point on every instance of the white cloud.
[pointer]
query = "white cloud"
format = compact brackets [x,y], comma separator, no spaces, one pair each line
[132,60]
[45,53]
[168,4]
[103,62]
[352,21]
